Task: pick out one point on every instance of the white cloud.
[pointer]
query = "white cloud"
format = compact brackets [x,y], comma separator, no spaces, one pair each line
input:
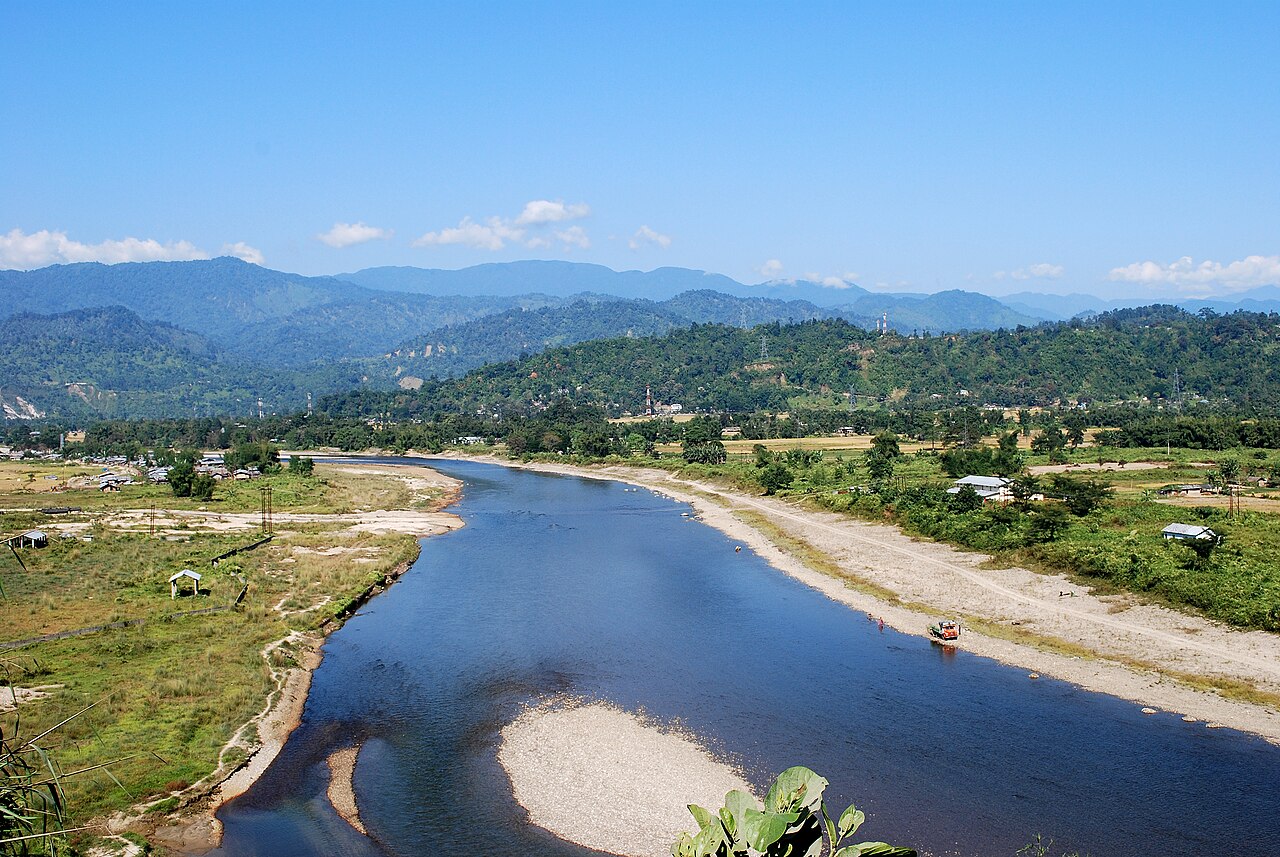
[539,211]
[1188,274]
[493,234]
[574,236]
[243,251]
[644,236]
[771,269]
[1039,271]
[19,249]
[347,234]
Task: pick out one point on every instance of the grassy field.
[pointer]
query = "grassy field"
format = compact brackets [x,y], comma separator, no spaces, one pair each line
[169,693]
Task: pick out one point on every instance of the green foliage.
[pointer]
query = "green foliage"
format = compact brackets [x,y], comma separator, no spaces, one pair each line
[202,486]
[705,452]
[33,807]
[1081,496]
[774,477]
[1051,442]
[793,821]
[181,477]
[1048,523]
[879,465]
[262,454]
[301,465]
[886,444]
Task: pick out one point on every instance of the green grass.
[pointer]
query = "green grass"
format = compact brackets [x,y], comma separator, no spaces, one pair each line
[171,693]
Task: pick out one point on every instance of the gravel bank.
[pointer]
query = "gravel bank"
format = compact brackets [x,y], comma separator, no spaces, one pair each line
[608,780]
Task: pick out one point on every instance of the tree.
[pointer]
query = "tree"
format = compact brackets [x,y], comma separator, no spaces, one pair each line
[261,454]
[886,444]
[1081,496]
[965,500]
[1048,522]
[1007,460]
[301,465]
[638,444]
[1074,423]
[775,476]
[180,477]
[879,467]
[705,452]
[1051,442]
[202,486]
[764,457]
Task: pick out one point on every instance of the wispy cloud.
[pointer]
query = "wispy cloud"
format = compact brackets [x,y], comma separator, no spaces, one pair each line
[574,236]
[539,211]
[19,249]
[833,281]
[490,235]
[647,237]
[243,251]
[1039,271]
[528,228]
[348,234]
[771,269]
[1189,275]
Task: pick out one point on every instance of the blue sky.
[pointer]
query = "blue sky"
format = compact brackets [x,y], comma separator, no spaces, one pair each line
[1108,148]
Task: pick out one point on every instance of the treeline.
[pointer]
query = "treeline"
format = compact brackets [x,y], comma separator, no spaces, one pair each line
[1157,354]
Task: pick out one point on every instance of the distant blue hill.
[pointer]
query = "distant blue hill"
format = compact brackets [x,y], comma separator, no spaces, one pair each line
[1062,307]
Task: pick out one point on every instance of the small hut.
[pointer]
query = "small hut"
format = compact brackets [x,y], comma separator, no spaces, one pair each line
[32,539]
[186,572]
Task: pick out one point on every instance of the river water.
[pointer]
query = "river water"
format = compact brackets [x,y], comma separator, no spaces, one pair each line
[561,585]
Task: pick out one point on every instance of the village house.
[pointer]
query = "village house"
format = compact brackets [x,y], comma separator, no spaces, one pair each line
[1188,532]
[987,487]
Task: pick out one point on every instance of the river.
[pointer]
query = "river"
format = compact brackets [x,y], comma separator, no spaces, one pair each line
[563,585]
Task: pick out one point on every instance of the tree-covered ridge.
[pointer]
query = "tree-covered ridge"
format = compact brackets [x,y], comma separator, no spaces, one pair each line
[455,349]
[1157,353]
[110,362]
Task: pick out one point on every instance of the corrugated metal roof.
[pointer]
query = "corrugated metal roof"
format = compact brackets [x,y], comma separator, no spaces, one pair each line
[1192,530]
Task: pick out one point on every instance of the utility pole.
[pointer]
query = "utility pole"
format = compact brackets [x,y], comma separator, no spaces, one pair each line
[265,498]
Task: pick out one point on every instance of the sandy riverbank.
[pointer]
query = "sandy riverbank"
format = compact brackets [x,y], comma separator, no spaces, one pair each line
[637,778]
[1135,651]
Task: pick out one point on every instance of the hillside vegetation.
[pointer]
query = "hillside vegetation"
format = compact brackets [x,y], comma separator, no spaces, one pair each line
[1154,354]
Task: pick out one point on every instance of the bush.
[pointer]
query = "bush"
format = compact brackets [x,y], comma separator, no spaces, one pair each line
[794,820]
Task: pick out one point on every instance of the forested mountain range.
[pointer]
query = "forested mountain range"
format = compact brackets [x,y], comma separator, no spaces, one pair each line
[1127,355]
[108,361]
[252,312]
[288,320]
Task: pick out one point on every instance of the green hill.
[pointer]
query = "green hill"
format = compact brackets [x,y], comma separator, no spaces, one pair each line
[1128,355]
